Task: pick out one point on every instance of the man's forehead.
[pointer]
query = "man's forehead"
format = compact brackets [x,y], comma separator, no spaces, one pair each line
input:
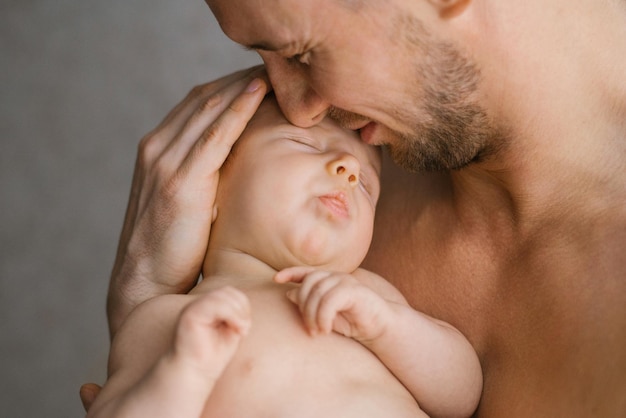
[259,20]
[273,24]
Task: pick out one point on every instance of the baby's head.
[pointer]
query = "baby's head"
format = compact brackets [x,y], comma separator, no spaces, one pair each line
[294,196]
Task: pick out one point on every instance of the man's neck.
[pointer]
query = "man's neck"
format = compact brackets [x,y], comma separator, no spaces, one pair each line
[558,91]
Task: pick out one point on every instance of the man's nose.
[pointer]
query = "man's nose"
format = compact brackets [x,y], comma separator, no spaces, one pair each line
[347,166]
[298,101]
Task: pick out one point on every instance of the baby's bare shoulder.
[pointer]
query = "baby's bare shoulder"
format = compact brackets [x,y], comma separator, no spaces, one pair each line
[143,338]
[147,332]
[163,306]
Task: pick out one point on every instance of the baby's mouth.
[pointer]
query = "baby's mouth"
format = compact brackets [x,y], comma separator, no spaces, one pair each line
[337,203]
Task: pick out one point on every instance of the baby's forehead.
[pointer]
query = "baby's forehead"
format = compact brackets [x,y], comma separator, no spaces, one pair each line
[269,116]
[269,105]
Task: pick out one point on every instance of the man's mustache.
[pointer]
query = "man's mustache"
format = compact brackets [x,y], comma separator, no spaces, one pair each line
[349,120]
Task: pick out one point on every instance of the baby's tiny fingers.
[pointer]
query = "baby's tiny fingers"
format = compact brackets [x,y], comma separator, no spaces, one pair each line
[293,274]
[334,302]
[292,295]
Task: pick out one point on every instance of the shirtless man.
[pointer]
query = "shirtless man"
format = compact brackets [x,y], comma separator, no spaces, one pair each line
[512,227]
[294,205]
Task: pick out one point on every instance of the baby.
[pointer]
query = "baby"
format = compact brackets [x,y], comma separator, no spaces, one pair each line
[284,323]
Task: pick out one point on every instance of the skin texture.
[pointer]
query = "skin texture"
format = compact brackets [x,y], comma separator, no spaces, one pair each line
[421,89]
[522,247]
[235,345]
[168,219]
[293,234]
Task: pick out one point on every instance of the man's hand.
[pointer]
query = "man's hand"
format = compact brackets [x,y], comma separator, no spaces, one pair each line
[171,205]
[336,302]
[88,393]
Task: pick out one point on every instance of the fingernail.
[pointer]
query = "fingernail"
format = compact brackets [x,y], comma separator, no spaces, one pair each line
[291,295]
[254,85]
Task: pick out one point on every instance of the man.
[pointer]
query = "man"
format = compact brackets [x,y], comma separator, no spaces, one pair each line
[511,222]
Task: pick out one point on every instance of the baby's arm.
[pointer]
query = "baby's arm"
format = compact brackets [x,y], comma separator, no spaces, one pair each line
[162,364]
[431,358]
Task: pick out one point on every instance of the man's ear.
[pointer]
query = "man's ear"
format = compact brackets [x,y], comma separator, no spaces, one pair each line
[449,8]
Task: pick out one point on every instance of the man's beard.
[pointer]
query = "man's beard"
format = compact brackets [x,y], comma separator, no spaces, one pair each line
[448,128]
[455,136]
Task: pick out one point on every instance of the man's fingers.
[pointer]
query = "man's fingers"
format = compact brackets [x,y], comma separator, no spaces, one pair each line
[178,116]
[88,394]
[181,123]
[207,112]
[210,151]
[168,218]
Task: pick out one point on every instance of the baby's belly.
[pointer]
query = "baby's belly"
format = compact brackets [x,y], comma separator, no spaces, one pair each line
[281,371]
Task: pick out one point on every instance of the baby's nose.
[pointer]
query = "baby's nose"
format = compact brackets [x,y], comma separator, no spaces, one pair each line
[346,165]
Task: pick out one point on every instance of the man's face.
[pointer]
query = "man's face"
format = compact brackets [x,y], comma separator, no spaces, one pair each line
[370,65]
[300,195]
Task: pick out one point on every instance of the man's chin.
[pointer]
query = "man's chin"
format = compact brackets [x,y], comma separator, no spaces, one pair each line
[401,159]
[408,156]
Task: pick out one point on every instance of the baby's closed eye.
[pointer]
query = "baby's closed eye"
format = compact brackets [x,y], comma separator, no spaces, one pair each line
[306,141]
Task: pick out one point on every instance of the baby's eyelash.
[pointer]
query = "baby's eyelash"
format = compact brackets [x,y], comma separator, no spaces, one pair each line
[369,187]
[305,141]
[363,184]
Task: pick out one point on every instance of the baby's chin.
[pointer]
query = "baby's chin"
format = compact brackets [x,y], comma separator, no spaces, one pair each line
[316,251]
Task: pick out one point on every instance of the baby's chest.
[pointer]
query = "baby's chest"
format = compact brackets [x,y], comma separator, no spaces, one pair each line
[282,370]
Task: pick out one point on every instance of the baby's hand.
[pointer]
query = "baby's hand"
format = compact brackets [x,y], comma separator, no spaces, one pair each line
[209,330]
[336,302]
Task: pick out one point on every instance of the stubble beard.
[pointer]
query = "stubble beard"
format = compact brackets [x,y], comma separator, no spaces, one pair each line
[448,130]
[451,130]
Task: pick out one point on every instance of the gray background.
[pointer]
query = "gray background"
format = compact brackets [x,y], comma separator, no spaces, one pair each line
[81,81]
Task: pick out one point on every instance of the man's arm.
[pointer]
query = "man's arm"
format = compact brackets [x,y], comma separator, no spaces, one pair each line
[171,204]
[431,358]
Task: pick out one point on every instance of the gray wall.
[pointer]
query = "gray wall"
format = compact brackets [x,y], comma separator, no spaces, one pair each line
[81,81]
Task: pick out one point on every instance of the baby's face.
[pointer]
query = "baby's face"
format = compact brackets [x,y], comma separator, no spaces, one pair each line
[294,196]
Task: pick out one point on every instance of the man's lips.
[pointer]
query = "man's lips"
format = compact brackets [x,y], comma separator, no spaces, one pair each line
[355,122]
[367,133]
[337,203]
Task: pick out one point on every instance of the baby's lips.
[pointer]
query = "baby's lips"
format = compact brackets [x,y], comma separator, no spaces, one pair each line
[337,203]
